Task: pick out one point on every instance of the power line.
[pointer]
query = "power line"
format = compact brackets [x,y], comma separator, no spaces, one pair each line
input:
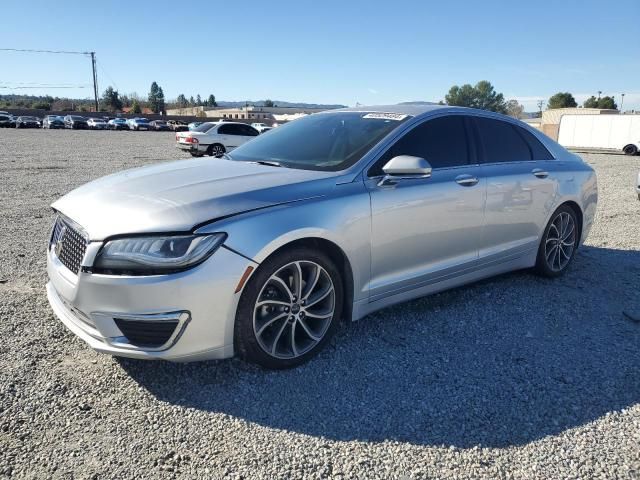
[43,51]
[23,87]
[65,52]
[39,84]
[101,66]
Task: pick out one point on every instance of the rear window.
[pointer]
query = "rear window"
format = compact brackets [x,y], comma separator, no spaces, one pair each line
[205,127]
[538,150]
[500,142]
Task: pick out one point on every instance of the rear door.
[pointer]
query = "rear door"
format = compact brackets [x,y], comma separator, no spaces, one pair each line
[520,188]
[248,132]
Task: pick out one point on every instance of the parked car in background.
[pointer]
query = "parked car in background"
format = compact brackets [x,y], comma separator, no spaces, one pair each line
[96,123]
[330,217]
[6,120]
[260,126]
[138,124]
[75,122]
[193,125]
[53,121]
[159,125]
[117,124]
[27,122]
[215,139]
[178,125]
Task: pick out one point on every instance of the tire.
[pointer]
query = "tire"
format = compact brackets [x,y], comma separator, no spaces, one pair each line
[630,149]
[216,150]
[559,243]
[286,333]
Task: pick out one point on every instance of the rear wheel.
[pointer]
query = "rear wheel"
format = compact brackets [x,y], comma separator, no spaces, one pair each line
[559,243]
[289,309]
[630,150]
[216,150]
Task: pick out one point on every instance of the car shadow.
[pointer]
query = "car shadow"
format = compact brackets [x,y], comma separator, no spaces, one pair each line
[502,362]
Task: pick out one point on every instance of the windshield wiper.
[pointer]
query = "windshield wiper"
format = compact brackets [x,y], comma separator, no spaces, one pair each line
[271,163]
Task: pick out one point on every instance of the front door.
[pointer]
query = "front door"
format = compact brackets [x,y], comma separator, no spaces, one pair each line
[425,230]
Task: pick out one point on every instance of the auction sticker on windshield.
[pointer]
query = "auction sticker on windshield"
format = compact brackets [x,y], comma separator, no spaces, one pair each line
[386,116]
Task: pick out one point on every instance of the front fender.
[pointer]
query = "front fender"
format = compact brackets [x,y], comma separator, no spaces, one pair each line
[343,217]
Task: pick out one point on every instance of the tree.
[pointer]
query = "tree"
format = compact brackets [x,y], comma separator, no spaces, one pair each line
[607,102]
[211,102]
[156,98]
[41,105]
[514,109]
[126,101]
[135,107]
[198,100]
[562,100]
[604,102]
[181,101]
[192,102]
[111,100]
[482,96]
[591,102]
[268,103]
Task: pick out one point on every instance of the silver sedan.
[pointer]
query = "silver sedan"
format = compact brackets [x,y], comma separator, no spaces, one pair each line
[261,253]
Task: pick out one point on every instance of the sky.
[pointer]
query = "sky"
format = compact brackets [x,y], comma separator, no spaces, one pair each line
[346,52]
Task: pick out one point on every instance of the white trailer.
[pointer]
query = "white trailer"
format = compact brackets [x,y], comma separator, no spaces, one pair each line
[607,132]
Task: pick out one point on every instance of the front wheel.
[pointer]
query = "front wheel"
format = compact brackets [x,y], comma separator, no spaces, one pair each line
[630,150]
[289,310]
[559,243]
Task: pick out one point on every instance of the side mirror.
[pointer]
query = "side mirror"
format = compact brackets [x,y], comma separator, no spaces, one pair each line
[404,167]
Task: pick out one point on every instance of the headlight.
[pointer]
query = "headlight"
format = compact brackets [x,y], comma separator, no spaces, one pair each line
[156,255]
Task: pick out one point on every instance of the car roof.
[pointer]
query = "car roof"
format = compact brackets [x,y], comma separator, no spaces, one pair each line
[413,109]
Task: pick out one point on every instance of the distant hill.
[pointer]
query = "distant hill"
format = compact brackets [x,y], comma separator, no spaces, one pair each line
[279,103]
[418,102]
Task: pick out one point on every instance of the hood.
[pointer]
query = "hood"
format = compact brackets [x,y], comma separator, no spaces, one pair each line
[176,196]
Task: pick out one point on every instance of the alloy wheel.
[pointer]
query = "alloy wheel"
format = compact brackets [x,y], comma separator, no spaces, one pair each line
[217,150]
[294,309]
[560,242]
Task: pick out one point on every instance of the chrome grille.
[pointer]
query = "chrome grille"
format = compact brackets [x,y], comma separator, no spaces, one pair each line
[69,244]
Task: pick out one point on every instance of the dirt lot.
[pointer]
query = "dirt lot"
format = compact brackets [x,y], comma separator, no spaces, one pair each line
[514,377]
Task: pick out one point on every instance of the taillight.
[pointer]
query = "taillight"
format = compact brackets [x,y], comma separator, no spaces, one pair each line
[191,140]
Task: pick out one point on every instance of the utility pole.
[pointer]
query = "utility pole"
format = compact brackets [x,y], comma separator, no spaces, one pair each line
[95,80]
[599,93]
[540,104]
[621,102]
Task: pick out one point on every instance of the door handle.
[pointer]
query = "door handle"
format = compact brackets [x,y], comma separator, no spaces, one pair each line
[538,172]
[466,180]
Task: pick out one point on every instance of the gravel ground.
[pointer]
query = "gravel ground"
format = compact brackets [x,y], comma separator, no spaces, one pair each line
[514,377]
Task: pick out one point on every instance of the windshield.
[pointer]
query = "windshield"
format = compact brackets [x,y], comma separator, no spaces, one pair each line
[205,127]
[324,141]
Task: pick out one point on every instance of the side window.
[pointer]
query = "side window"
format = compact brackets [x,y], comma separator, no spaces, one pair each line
[228,129]
[500,142]
[441,141]
[249,131]
[538,150]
